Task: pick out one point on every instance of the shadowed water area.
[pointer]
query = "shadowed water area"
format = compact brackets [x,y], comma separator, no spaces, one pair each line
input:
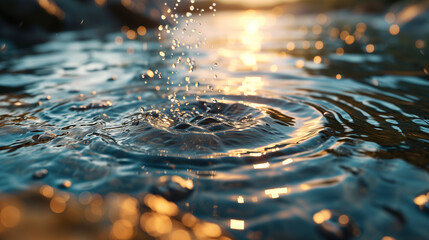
[284,128]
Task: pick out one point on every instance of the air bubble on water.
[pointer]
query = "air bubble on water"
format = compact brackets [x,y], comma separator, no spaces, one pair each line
[40,174]
[66,184]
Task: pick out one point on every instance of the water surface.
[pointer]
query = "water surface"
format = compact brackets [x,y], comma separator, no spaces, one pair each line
[286,128]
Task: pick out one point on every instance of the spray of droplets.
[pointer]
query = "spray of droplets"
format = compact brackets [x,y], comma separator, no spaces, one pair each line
[180,37]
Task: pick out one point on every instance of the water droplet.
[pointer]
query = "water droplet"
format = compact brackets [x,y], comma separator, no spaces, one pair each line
[40,174]
[173,188]
[46,137]
[66,184]
[329,115]
[335,226]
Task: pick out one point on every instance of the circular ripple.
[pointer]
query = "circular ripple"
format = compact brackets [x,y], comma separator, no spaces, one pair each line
[237,126]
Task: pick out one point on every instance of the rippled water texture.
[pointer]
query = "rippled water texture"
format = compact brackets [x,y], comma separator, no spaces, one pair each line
[287,127]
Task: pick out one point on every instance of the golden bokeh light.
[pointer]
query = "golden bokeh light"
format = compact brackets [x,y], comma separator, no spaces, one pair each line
[189,220]
[160,205]
[344,34]
[210,230]
[141,30]
[150,73]
[394,29]
[420,44]
[322,216]
[10,216]
[122,229]
[343,219]
[290,46]
[340,51]
[58,204]
[300,63]
[421,200]
[180,234]
[100,2]
[237,224]
[276,192]
[338,76]
[319,45]
[156,224]
[317,59]
[131,34]
[184,183]
[350,39]
[47,191]
[361,27]
[370,48]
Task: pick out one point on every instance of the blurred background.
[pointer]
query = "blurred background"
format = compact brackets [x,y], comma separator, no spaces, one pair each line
[30,21]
